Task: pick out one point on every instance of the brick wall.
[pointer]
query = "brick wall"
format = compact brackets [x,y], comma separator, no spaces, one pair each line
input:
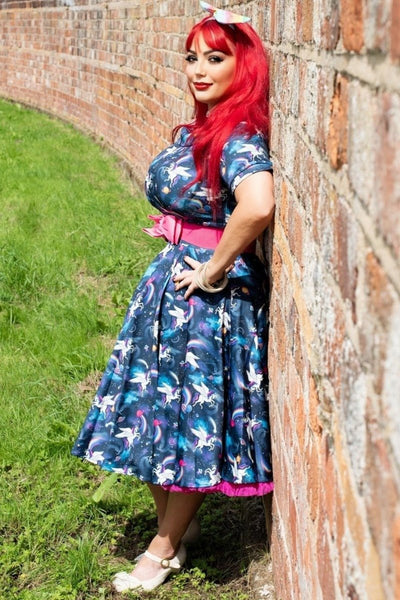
[115,70]
[335,343]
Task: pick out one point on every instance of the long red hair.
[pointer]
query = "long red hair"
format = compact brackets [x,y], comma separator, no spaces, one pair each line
[245,102]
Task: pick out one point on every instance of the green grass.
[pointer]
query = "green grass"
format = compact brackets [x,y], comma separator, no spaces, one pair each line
[71,252]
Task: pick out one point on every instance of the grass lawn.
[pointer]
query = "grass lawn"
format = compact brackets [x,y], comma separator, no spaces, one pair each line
[71,252]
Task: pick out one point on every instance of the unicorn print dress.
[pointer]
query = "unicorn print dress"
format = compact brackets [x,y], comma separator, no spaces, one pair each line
[182,402]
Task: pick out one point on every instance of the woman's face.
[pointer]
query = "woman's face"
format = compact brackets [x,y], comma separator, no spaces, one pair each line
[209,72]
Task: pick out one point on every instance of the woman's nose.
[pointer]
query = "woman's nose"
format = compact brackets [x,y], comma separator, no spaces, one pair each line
[200,70]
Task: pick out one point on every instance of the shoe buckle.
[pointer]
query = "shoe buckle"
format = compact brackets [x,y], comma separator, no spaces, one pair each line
[165,563]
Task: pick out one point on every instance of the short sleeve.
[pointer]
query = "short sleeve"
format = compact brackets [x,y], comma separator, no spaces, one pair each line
[242,156]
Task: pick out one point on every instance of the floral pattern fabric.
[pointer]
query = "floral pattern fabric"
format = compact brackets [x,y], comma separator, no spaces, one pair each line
[182,401]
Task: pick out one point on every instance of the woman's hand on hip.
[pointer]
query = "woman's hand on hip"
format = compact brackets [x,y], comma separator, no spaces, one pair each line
[187,278]
[190,279]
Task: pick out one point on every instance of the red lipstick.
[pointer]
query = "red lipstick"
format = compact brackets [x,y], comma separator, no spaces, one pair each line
[202,86]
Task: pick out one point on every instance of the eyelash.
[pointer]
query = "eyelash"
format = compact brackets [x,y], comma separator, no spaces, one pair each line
[213,59]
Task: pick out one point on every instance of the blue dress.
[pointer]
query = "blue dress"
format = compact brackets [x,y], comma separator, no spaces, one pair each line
[182,401]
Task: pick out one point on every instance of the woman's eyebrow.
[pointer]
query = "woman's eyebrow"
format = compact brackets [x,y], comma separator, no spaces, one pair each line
[207,52]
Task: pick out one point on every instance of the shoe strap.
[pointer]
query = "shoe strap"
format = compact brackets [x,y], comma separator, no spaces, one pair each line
[166,563]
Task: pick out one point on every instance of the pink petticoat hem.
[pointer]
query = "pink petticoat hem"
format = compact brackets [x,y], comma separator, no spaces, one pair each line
[227,488]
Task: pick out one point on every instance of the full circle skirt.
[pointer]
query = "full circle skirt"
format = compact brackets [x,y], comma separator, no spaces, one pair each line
[182,402]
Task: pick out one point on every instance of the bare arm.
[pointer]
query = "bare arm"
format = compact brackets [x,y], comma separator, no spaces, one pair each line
[253,213]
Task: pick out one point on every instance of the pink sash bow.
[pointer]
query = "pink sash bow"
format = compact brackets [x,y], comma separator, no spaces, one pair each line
[167,226]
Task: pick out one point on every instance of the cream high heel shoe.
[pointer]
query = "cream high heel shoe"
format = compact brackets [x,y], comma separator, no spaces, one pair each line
[124,581]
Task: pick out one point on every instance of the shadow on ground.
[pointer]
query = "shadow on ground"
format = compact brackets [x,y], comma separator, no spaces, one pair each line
[233,539]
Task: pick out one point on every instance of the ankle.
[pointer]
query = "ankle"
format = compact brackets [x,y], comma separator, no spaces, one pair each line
[162,547]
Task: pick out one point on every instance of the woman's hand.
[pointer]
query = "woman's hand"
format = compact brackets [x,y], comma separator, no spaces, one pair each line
[187,278]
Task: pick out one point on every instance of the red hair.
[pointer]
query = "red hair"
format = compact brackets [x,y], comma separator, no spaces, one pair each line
[245,102]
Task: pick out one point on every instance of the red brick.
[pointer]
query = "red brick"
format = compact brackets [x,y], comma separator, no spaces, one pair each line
[351,23]
[325,567]
[394,31]
[273,20]
[374,331]
[387,191]
[306,555]
[332,359]
[324,224]
[340,530]
[347,242]
[287,426]
[295,233]
[300,419]
[380,490]
[351,505]
[396,556]
[325,77]
[330,476]
[280,83]
[292,540]
[282,486]
[307,175]
[314,477]
[313,400]
[378,286]
[304,20]
[298,351]
[283,207]
[302,92]
[279,335]
[276,266]
[338,125]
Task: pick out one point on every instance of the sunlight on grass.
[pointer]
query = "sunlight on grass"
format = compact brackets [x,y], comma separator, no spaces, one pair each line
[71,252]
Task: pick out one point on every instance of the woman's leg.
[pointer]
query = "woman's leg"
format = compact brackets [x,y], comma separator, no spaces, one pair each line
[180,510]
[160,497]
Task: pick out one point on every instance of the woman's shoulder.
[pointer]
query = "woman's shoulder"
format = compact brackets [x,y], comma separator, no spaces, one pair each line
[183,136]
[244,141]
[245,152]
[244,135]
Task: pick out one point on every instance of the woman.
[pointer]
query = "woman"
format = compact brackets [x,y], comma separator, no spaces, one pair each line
[182,401]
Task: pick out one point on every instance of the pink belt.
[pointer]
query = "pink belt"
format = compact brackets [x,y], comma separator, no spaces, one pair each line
[173,229]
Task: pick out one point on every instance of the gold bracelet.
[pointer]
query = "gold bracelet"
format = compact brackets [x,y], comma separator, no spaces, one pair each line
[203,284]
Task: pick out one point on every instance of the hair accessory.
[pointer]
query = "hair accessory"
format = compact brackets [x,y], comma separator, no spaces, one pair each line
[223,16]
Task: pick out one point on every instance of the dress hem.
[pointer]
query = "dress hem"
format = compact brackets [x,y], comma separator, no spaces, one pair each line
[224,487]
[227,488]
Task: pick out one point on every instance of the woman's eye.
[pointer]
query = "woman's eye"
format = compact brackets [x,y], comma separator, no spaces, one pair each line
[190,58]
[215,59]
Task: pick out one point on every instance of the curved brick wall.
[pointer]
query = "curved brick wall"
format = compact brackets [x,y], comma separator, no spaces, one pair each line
[112,68]
[115,70]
